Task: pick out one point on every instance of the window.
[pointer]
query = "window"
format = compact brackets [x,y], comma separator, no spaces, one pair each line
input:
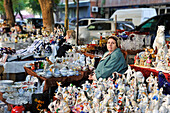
[150,25]
[100,26]
[165,22]
[83,23]
[92,27]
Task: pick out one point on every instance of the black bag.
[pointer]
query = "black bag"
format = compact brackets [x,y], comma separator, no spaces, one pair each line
[39,102]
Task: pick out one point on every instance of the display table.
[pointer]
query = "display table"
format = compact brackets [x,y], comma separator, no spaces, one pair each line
[146,71]
[13,68]
[51,82]
[14,45]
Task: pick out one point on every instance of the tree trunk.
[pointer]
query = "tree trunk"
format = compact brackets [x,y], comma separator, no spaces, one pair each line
[9,12]
[47,14]
[20,15]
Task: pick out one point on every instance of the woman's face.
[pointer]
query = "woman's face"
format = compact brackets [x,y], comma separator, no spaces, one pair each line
[111,45]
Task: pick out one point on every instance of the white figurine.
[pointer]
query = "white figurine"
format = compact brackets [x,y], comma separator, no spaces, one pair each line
[150,81]
[160,38]
[59,105]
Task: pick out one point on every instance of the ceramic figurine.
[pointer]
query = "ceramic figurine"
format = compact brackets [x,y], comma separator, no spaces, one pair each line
[155,101]
[137,59]
[59,105]
[160,38]
[150,81]
[142,61]
[70,100]
[143,101]
[97,98]
[148,62]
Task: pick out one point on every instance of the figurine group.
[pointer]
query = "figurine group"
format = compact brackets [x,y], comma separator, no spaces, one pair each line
[126,93]
[160,60]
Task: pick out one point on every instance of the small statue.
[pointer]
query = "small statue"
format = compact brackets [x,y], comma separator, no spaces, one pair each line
[150,81]
[59,105]
[137,59]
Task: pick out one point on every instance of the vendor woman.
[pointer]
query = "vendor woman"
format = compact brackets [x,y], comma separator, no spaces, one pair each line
[112,61]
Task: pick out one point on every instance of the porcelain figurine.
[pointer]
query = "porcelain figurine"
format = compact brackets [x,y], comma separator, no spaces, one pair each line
[154,102]
[96,99]
[143,101]
[137,59]
[160,38]
[140,77]
[150,81]
[81,98]
[148,62]
[70,99]
[56,72]
[142,60]
[59,105]
[88,61]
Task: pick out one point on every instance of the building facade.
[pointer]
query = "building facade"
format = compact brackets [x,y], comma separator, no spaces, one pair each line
[105,8]
[109,6]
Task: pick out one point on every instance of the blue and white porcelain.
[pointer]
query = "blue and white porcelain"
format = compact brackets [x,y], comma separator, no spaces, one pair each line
[56,72]
[48,74]
[71,72]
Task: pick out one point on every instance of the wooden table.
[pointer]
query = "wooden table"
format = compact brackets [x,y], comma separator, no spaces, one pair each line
[51,82]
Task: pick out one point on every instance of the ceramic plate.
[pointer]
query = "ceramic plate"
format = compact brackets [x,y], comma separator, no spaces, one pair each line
[18,83]
[7,82]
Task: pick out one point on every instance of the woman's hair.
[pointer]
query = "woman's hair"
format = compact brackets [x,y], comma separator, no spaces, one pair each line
[114,38]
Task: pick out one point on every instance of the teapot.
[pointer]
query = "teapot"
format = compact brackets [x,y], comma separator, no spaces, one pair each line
[18,109]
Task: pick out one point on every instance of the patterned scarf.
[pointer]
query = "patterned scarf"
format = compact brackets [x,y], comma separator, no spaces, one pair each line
[105,56]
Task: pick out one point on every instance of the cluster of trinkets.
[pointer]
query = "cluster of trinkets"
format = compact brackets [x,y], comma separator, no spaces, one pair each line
[159,56]
[122,93]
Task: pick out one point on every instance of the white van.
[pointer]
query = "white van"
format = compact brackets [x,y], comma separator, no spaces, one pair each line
[136,15]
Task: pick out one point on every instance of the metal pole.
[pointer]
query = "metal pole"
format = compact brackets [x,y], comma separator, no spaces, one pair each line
[115,23]
[77,21]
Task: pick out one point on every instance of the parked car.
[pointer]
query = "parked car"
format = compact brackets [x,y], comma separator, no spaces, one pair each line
[83,23]
[152,24]
[60,24]
[38,22]
[20,22]
[95,29]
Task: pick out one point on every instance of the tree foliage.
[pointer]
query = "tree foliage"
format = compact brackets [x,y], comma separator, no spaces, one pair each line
[2,10]
[34,5]
[19,5]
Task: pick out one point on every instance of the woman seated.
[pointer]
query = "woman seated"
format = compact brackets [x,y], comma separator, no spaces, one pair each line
[112,61]
[65,44]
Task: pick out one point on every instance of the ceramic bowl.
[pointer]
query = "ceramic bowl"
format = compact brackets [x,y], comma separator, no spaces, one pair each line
[57,74]
[64,73]
[63,70]
[71,72]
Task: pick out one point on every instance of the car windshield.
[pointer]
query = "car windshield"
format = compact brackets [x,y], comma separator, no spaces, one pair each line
[149,25]
[99,26]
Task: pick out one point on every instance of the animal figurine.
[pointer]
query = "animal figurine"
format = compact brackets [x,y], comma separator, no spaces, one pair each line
[160,38]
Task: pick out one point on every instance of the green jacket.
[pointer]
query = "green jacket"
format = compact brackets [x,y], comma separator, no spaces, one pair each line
[115,62]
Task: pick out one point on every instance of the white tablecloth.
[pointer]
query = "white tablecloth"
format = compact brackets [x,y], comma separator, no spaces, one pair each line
[15,66]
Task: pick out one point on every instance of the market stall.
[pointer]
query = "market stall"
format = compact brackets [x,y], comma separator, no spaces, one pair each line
[143,87]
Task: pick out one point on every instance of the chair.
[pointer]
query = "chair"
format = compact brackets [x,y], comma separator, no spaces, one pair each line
[124,53]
